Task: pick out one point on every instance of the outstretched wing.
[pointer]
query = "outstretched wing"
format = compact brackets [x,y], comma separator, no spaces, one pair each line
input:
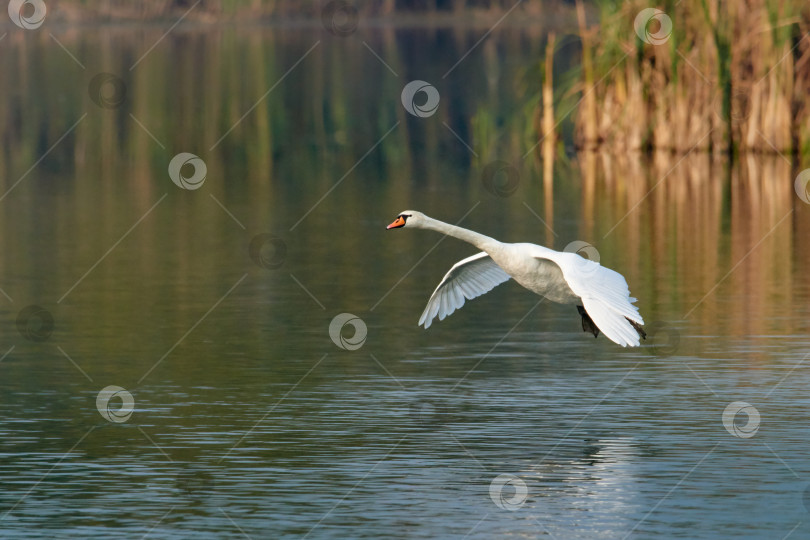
[468,279]
[605,296]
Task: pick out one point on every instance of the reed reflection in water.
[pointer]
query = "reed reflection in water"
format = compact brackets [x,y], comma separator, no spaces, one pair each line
[724,237]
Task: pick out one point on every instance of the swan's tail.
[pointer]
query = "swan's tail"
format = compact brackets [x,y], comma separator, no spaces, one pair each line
[587,323]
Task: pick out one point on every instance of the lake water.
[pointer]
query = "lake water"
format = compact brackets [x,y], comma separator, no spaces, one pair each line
[233,412]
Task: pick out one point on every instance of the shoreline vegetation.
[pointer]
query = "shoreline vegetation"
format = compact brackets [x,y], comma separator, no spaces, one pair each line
[296,11]
[675,76]
[709,75]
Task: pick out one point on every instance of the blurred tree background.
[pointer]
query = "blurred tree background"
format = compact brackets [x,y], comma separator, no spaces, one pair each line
[218,10]
[523,96]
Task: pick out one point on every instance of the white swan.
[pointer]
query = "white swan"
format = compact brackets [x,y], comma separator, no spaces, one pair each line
[601,294]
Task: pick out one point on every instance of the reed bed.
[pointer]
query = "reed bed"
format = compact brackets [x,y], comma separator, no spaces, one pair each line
[726,76]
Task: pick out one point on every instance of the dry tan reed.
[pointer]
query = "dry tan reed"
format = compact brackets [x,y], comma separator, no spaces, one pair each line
[731,76]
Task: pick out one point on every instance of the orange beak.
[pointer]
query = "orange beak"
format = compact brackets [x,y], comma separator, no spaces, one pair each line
[399,222]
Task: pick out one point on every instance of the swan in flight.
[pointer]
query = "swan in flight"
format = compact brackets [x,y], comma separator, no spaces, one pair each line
[600,294]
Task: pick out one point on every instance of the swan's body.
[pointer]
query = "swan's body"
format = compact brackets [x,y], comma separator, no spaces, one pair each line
[601,294]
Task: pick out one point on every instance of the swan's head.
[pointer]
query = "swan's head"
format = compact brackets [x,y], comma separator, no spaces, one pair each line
[408,218]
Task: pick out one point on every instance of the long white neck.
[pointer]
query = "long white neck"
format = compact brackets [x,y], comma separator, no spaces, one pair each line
[482,242]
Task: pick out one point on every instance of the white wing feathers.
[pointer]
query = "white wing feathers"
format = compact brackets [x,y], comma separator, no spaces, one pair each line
[605,296]
[468,279]
[603,292]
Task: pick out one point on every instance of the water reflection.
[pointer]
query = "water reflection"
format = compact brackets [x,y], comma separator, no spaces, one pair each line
[695,219]
[247,416]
